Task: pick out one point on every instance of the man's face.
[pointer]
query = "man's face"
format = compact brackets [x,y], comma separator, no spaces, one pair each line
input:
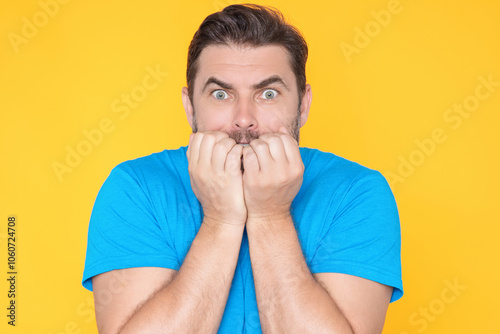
[246,92]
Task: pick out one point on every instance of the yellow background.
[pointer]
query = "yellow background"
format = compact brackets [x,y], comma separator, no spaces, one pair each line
[371,105]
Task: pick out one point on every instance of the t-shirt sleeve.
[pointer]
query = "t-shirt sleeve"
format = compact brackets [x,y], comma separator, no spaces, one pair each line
[364,238]
[123,230]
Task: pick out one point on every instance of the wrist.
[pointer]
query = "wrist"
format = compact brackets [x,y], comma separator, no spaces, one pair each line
[275,212]
[261,220]
[218,222]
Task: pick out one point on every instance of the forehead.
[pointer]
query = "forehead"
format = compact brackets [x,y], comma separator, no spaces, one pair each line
[244,64]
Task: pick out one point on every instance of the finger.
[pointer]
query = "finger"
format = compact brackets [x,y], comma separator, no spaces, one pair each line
[233,160]
[220,153]
[194,147]
[286,131]
[251,163]
[291,149]
[276,147]
[207,146]
[261,149]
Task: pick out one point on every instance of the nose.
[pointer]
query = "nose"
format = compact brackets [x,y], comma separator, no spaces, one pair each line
[244,115]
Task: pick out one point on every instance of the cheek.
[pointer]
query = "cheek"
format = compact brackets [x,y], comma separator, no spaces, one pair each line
[212,120]
[278,117]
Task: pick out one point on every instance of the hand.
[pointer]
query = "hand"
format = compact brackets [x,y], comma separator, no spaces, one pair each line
[273,175]
[216,178]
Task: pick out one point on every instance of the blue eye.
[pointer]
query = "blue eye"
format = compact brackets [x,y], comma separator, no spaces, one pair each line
[220,95]
[269,94]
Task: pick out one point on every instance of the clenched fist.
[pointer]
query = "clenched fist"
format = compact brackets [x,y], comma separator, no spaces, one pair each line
[216,178]
[273,175]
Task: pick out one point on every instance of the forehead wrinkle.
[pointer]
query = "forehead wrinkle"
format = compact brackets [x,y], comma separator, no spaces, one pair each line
[218,82]
[223,64]
[273,79]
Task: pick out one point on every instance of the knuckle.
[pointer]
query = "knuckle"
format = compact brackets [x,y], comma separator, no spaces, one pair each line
[259,145]
[198,135]
[209,139]
[220,148]
[282,178]
[222,135]
[228,143]
[274,140]
[298,168]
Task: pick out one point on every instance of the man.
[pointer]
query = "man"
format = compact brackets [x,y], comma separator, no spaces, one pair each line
[243,231]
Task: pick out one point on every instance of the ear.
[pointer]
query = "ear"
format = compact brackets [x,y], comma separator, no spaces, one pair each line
[305,105]
[188,106]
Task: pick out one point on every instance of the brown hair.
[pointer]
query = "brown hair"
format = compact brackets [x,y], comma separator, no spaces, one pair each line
[251,25]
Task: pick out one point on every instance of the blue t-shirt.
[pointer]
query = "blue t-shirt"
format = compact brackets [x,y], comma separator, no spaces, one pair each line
[146,215]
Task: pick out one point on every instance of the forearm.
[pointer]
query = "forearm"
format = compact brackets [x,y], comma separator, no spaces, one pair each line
[289,298]
[195,299]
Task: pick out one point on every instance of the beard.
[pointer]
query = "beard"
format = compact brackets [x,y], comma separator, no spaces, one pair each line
[246,136]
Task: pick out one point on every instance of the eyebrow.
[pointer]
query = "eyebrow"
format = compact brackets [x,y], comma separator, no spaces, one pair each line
[274,79]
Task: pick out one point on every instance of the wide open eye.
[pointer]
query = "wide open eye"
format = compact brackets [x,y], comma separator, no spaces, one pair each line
[269,94]
[220,94]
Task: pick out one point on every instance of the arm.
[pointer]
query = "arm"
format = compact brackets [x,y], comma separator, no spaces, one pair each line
[289,297]
[162,300]
[193,299]
[118,293]
[196,297]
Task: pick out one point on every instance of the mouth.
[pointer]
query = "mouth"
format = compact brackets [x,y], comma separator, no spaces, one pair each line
[243,137]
